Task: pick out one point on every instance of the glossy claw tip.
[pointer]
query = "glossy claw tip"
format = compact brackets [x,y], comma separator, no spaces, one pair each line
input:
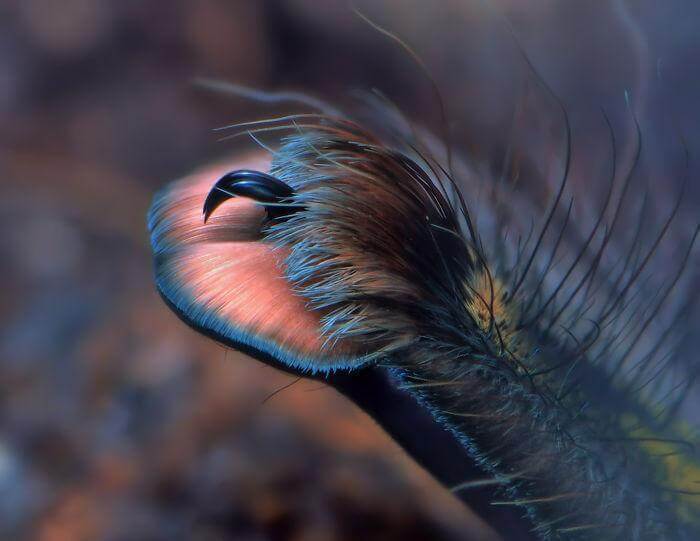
[256,185]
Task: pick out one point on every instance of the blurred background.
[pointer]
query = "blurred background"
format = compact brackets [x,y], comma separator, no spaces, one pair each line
[117,422]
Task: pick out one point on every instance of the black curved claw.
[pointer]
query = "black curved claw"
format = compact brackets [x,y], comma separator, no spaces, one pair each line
[256,185]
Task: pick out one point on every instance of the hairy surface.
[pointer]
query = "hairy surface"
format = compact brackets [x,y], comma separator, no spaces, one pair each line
[396,267]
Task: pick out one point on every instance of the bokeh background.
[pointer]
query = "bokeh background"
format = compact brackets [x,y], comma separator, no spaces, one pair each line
[119,423]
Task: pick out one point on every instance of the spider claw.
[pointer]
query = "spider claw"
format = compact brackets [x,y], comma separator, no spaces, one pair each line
[255,185]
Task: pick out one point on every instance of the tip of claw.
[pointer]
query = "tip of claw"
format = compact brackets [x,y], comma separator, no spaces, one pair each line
[215,197]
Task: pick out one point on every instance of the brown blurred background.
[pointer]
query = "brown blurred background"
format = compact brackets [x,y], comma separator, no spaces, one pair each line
[119,423]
